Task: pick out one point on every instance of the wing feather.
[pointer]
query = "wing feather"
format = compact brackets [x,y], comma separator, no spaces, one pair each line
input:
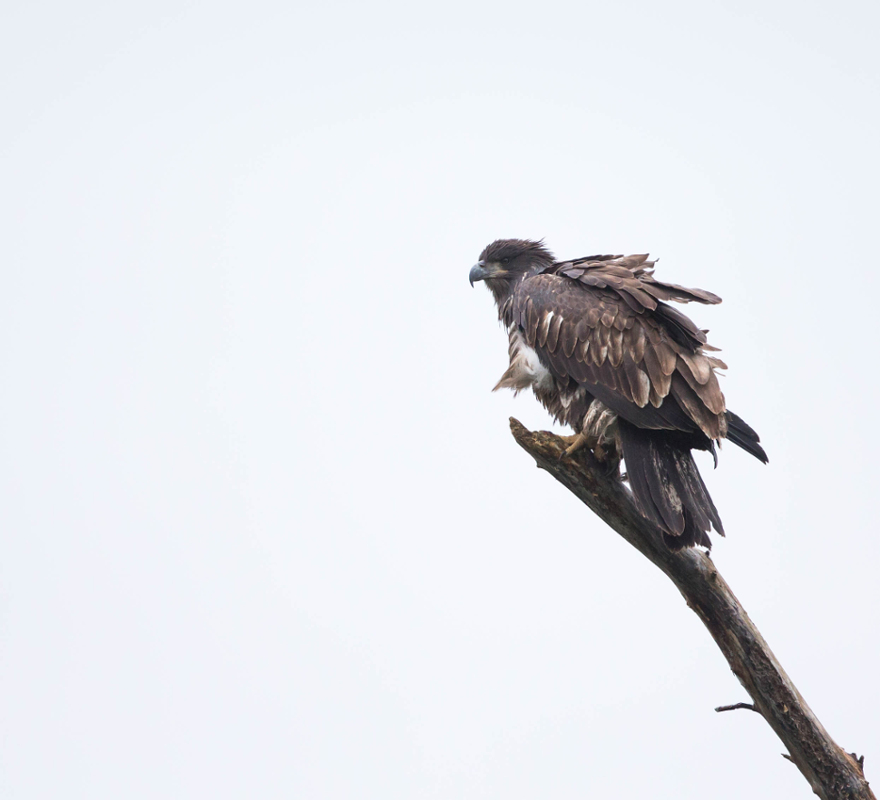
[688,399]
[639,383]
[615,347]
[660,381]
[600,340]
[698,365]
[608,315]
[709,393]
[553,332]
[544,328]
[666,356]
[532,317]
[636,343]
[568,338]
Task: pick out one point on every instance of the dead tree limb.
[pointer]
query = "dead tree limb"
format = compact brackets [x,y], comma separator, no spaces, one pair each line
[737,706]
[832,773]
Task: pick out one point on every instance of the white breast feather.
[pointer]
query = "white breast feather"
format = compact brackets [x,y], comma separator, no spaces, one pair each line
[525,367]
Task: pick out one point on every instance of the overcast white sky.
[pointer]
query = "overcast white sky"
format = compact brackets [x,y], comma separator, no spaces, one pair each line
[264,530]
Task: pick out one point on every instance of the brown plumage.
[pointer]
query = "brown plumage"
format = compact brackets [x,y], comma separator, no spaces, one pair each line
[604,352]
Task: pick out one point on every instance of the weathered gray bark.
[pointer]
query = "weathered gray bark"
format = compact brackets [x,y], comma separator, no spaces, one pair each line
[832,773]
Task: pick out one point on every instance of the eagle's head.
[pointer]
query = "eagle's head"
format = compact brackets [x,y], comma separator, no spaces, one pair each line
[505,262]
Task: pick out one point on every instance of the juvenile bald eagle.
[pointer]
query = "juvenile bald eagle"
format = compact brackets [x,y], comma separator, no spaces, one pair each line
[603,351]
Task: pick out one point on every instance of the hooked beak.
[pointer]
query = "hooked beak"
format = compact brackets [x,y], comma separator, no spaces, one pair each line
[478,272]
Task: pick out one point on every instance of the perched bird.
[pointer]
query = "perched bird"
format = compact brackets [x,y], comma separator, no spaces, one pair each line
[604,352]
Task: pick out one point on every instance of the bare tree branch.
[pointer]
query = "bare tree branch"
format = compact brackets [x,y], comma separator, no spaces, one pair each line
[736,706]
[832,773]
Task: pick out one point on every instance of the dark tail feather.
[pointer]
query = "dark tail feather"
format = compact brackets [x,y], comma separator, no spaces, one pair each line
[667,486]
[742,434]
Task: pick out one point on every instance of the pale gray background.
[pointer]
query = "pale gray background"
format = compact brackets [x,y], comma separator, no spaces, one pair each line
[264,530]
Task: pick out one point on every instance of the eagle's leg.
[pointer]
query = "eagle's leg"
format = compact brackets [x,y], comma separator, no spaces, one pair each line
[599,433]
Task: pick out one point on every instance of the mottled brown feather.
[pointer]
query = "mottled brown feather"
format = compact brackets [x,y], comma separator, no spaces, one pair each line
[615,347]
[636,342]
[543,329]
[660,381]
[639,383]
[553,332]
[687,398]
[709,392]
[698,365]
[608,315]
[666,356]
[568,339]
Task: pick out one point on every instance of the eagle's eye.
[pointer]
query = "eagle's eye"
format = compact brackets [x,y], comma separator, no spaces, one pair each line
[505,260]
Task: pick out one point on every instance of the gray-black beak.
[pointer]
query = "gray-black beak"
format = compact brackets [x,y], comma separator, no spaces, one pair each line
[478,272]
